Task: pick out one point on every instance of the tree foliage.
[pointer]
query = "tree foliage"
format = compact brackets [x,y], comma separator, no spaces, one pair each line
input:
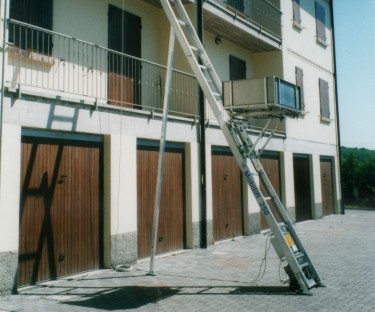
[358,176]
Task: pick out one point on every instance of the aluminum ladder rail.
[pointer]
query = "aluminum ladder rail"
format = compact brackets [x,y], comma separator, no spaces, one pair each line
[302,274]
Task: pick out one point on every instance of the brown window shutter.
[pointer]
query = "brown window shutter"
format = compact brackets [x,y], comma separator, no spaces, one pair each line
[237,68]
[297,11]
[34,12]
[299,83]
[320,16]
[324,98]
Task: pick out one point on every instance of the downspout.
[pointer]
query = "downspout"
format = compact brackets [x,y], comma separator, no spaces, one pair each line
[342,208]
[5,23]
[202,145]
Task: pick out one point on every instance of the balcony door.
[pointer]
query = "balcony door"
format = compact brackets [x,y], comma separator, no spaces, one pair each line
[237,4]
[237,68]
[124,73]
[37,13]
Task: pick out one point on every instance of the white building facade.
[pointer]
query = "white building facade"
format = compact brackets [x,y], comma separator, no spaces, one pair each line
[81,102]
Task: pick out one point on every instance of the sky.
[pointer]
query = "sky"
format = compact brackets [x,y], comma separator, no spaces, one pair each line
[354,24]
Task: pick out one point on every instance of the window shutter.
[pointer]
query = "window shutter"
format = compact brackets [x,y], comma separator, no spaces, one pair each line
[299,83]
[296,11]
[237,4]
[324,98]
[34,12]
[320,17]
[237,68]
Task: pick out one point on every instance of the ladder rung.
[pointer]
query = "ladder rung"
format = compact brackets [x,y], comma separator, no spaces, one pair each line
[202,67]
[193,48]
[299,255]
[303,265]
[182,23]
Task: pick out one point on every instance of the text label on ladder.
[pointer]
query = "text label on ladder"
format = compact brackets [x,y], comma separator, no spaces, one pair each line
[256,192]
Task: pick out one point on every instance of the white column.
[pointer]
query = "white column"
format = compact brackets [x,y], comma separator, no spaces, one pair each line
[192,183]
[123,184]
[316,189]
[10,187]
[287,183]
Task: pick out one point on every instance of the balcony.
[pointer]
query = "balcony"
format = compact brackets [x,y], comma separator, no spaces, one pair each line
[49,64]
[252,24]
[258,98]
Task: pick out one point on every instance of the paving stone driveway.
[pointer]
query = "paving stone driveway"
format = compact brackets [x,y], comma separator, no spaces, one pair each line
[342,249]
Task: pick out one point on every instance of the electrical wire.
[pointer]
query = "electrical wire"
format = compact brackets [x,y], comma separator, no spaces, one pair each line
[263,264]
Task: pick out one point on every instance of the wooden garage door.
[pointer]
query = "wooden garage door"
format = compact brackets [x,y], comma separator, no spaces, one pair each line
[171,218]
[60,210]
[302,189]
[226,196]
[271,164]
[327,185]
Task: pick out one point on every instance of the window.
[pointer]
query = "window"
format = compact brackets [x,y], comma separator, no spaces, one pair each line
[296,13]
[236,4]
[324,100]
[299,83]
[237,68]
[37,13]
[320,16]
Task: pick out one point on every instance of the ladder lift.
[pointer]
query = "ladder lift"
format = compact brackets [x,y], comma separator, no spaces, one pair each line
[300,270]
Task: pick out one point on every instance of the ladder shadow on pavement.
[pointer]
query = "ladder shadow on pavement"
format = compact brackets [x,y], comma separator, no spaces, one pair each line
[132,297]
[124,298]
[265,290]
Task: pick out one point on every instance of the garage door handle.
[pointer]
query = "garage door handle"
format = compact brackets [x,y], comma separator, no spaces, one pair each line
[62,179]
[61,258]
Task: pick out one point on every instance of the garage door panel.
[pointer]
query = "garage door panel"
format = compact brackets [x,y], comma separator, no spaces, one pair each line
[271,165]
[61,195]
[302,187]
[327,185]
[171,217]
[227,196]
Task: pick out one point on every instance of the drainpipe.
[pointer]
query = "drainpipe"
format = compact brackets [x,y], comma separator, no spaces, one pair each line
[5,14]
[202,150]
[342,208]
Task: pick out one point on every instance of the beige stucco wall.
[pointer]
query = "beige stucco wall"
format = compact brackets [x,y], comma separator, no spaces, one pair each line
[300,49]
[93,25]
[309,134]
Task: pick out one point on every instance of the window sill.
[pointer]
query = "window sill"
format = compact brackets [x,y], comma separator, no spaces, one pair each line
[322,42]
[297,25]
[325,119]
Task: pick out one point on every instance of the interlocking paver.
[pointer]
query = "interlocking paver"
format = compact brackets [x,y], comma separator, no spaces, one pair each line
[218,279]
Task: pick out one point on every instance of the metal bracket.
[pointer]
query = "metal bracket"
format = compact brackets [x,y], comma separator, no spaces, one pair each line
[269,138]
[19,91]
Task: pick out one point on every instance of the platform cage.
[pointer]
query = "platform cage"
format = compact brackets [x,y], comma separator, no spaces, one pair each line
[268,97]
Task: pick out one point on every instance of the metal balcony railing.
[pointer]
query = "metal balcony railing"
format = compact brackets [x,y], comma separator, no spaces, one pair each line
[46,60]
[260,12]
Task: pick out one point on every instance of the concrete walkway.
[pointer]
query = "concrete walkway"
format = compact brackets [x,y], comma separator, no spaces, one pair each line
[342,249]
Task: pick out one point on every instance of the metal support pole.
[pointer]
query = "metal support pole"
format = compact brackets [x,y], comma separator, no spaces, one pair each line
[202,145]
[159,179]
